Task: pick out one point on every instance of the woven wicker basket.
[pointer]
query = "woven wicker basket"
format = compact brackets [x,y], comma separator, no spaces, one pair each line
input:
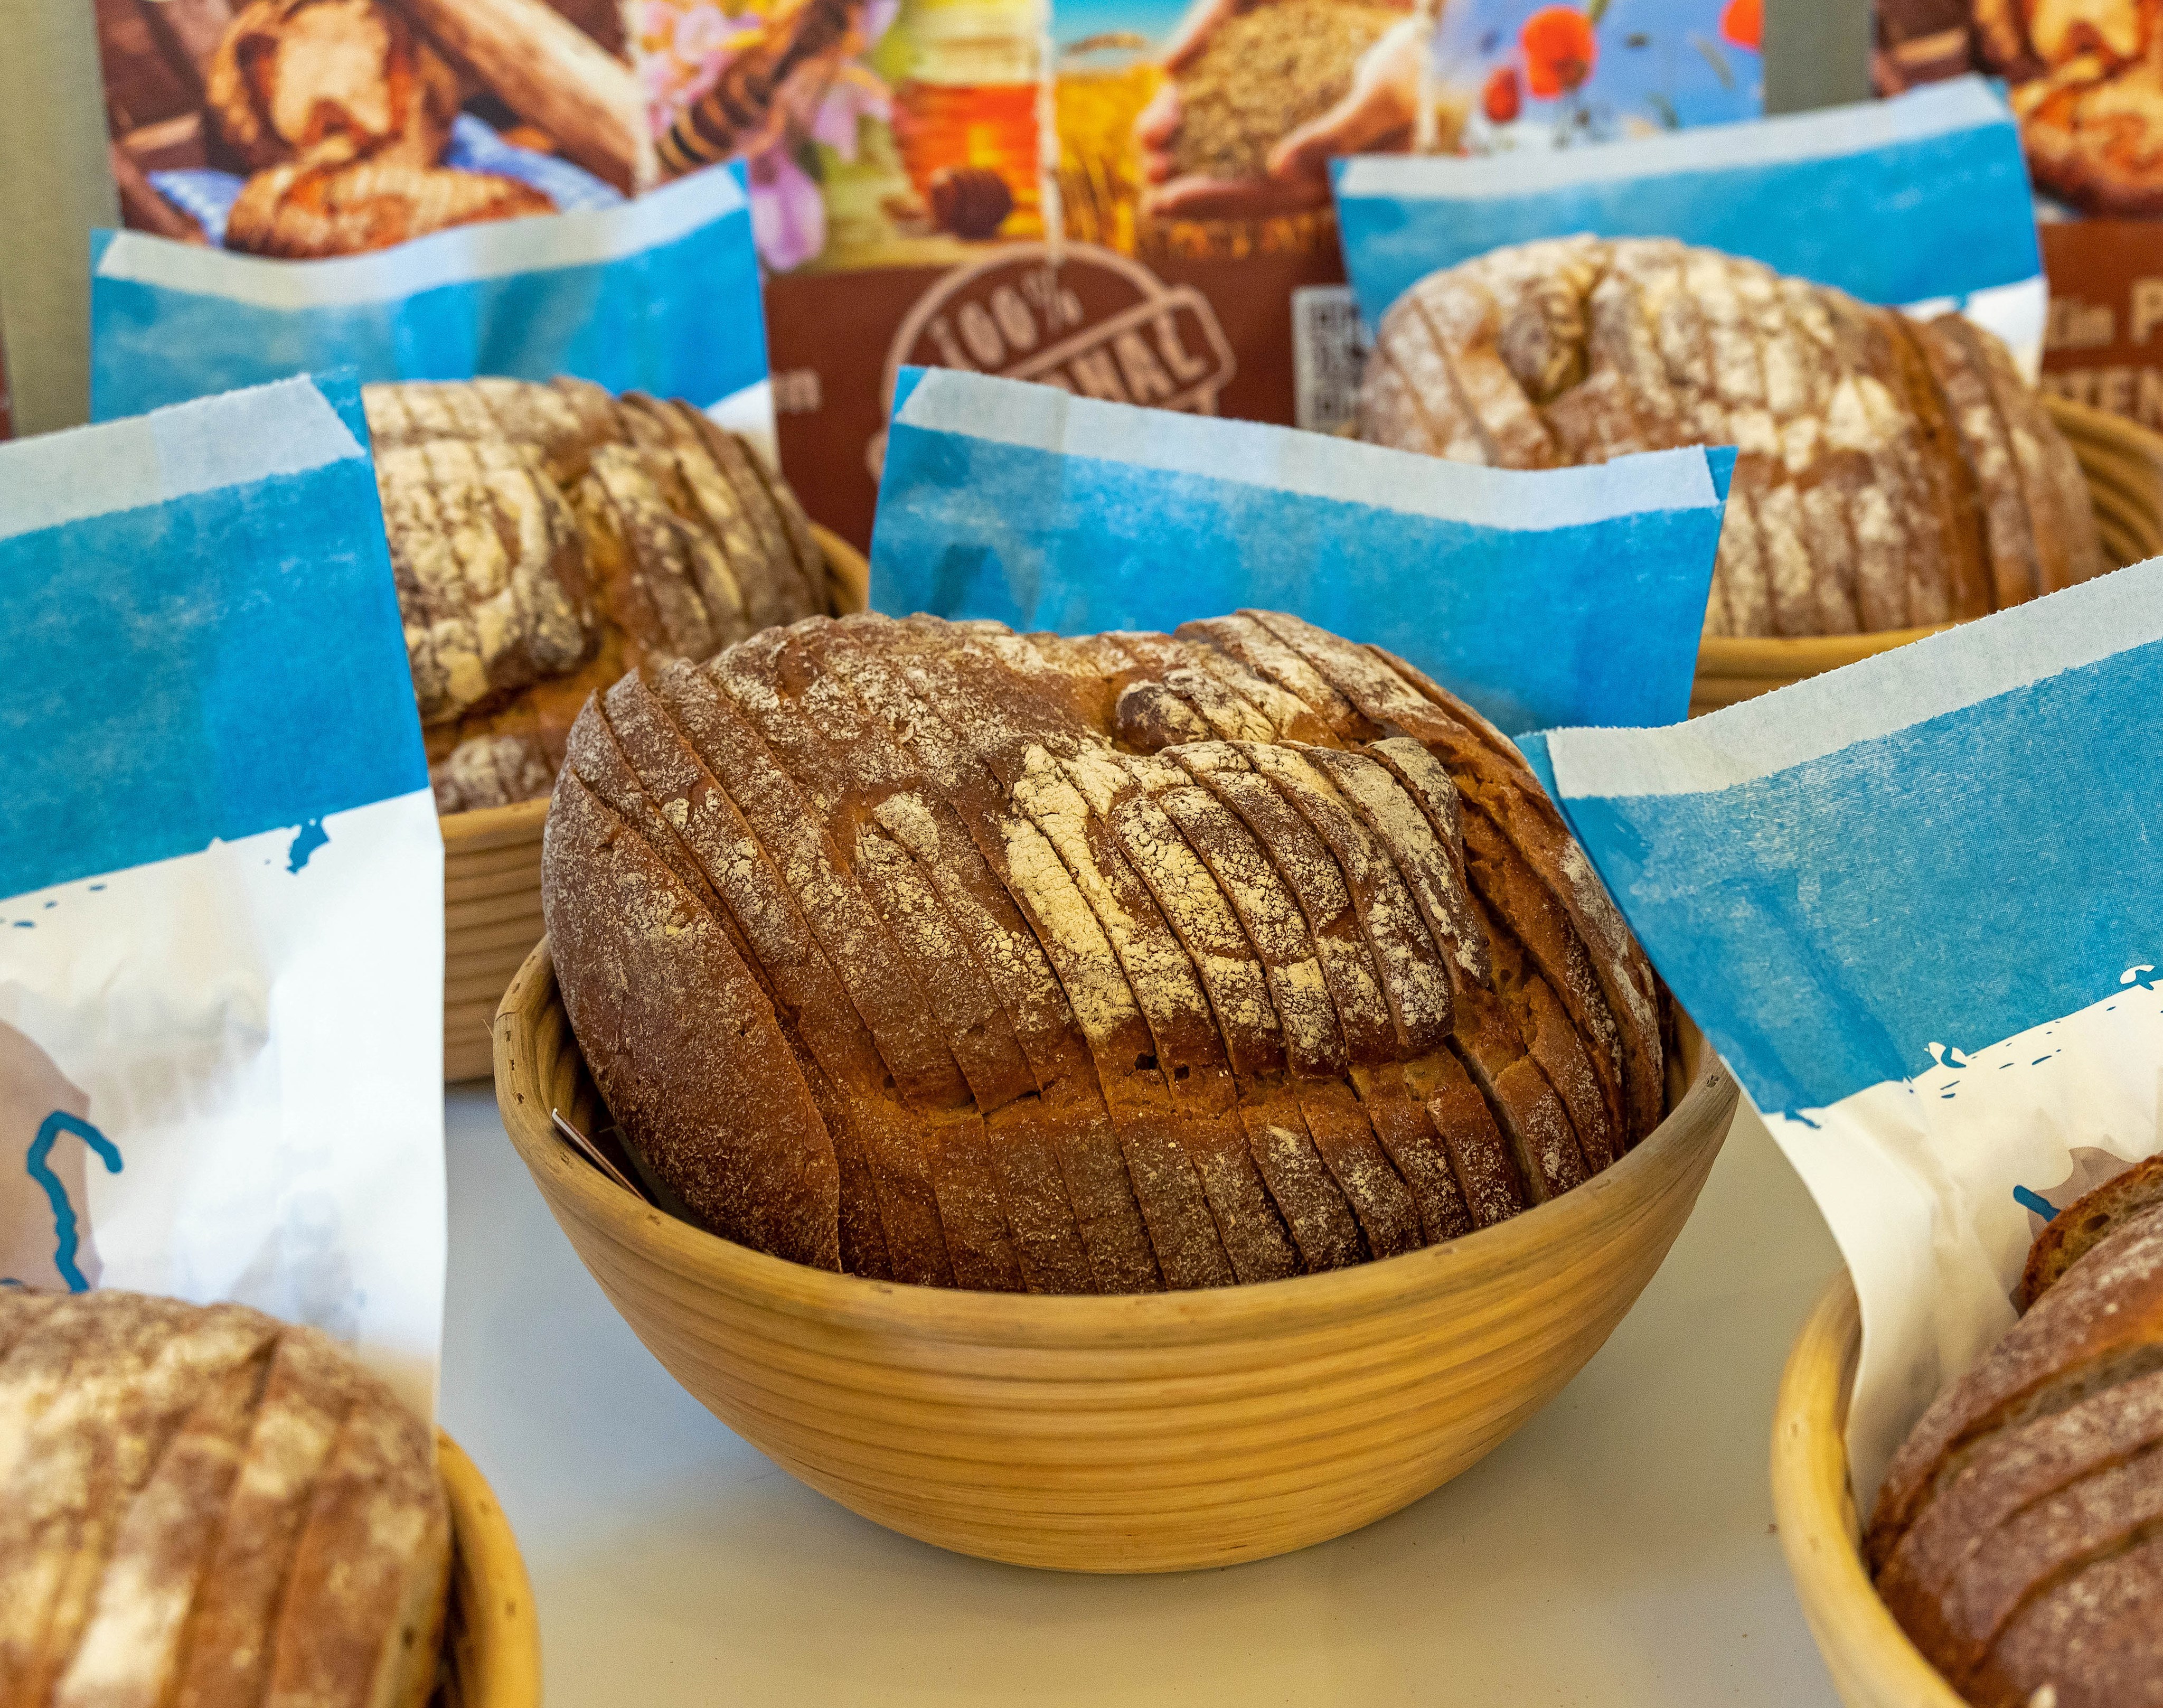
[492,881]
[491,1644]
[2124,466]
[1155,1432]
[1873,1663]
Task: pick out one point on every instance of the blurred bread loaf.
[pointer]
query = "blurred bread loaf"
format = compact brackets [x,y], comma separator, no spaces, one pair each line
[2018,1537]
[306,212]
[936,953]
[1892,473]
[2075,1230]
[546,538]
[203,1505]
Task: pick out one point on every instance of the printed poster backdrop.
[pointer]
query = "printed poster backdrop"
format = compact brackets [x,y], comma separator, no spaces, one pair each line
[1126,198]
[2086,82]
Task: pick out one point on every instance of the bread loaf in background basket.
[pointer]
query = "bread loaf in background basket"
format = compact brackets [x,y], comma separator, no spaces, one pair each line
[1853,298]
[603,494]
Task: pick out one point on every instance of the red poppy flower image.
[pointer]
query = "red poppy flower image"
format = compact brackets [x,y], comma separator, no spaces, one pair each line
[1559,50]
[1742,22]
[1500,100]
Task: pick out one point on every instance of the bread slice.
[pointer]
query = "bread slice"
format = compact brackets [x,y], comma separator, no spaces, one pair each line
[211,1507]
[1388,1215]
[1310,874]
[740,1140]
[1090,986]
[2077,1341]
[490,568]
[978,1031]
[1416,979]
[1415,1148]
[2010,1473]
[2091,1641]
[2091,1218]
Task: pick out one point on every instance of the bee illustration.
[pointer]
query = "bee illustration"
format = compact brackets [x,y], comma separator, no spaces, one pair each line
[788,62]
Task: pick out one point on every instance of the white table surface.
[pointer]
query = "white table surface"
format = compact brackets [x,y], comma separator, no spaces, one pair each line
[1619,1549]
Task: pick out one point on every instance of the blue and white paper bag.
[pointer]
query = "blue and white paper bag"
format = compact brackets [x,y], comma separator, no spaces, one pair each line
[660,294]
[1919,203]
[1568,595]
[221,934]
[1917,905]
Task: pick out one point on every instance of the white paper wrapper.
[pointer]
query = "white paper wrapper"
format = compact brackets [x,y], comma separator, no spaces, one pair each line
[221,940]
[1917,904]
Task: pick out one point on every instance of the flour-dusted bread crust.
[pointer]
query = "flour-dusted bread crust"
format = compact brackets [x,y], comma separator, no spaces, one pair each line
[548,538]
[2015,1537]
[203,1506]
[951,956]
[1892,473]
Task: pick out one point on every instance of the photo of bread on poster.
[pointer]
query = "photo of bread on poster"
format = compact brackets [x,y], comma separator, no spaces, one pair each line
[306,129]
[2085,80]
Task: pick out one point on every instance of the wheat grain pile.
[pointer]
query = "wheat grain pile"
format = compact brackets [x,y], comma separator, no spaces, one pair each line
[1264,73]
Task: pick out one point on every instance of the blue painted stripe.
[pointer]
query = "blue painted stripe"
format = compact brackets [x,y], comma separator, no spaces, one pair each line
[682,318]
[225,662]
[1939,214]
[1593,623]
[1957,880]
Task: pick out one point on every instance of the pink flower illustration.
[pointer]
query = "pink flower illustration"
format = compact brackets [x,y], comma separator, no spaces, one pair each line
[855,94]
[787,213]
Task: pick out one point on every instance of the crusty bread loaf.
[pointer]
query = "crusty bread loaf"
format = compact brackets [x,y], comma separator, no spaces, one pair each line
[2078,1228]
[309,212]
[2016,1536]
[1892,473]
[204,1506]
[934,952]
[546,538]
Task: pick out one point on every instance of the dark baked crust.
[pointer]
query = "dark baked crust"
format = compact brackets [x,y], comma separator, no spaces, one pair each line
[2089,1219]
[1032,991]
[2016,1535]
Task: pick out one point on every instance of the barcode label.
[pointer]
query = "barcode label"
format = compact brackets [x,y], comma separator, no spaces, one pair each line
[1328,349]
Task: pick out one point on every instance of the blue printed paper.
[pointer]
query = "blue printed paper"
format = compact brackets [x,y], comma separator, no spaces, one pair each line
[1920,200]
[1917,904]
[221,877]
[1563,595]
[214,634]
[659,295]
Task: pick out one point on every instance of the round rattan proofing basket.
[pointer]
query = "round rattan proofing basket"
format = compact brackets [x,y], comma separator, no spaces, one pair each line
[492,1645]
[1150,1432]
[492,880]
[2123,463]
[1873,1663]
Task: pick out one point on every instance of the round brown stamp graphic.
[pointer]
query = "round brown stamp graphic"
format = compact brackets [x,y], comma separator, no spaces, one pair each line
[1087,320]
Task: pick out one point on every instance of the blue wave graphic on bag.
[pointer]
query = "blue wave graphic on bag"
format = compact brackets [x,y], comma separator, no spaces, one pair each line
[221,876]
[1561,596]
[1917,905]
[1919,201]
[660,294]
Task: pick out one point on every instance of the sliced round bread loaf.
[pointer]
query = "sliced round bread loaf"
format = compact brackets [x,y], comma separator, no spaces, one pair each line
[934,952]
